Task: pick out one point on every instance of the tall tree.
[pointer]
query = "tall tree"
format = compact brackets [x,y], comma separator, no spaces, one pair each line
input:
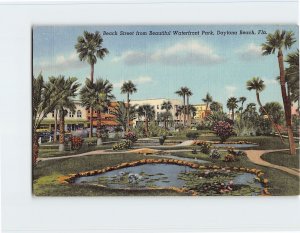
[183,93]
[188,94]
[292,77]
[207,100]
[258,85]
[89,48]
[231,105]
[278,41]
[275,110]
[215,106]
[97,96]
[69,88]
[147,111]
[179,112]
[128,88]
[44,101]
[242,99]
[166,105]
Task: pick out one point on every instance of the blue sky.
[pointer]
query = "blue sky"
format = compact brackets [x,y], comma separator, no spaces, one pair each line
[160,65]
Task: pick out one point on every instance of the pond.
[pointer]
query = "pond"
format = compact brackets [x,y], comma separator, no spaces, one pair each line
[203,181]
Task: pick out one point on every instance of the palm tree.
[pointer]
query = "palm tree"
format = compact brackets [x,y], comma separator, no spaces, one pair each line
[183,93]
[231,105]
[192,111]
[44,101]
[188,94]
[208,99]
[179,111]
[167,105]
[89,48]
[120,113]
[69,87]
[278,41]
[242,99]
[215,106]
[292,76]
[258,85]
[97,96]
[128,88]
[148,112]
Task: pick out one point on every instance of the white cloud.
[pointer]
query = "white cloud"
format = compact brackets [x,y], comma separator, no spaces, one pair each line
[269,81]
[59,63]
[230,90]
[189,52]
[250,52]
[139,80]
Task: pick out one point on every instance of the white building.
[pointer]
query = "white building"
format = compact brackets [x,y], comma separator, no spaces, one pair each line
[73,120]
[157,104]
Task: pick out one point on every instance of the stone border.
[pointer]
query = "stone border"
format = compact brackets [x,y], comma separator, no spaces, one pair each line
[260,175]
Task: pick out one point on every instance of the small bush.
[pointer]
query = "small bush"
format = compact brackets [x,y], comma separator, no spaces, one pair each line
[162,139]
[192,135]
[205,148]
[229,158]
[131,136]
[123,145]
[76,142]
[223,129]
[215,154]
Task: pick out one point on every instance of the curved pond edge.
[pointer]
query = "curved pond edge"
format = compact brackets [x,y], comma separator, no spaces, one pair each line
[69,179]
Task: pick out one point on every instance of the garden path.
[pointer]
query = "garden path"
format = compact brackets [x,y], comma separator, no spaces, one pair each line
[255,157]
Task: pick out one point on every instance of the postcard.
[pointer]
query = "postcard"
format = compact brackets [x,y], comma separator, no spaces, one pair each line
[165,110]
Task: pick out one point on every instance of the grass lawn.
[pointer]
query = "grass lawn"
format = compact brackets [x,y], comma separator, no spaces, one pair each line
[283,158]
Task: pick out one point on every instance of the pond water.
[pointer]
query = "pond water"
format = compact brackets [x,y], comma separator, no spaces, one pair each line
[142,177]
[234,145]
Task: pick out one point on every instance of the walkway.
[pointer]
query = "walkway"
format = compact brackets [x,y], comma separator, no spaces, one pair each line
[103,152]
[255,157]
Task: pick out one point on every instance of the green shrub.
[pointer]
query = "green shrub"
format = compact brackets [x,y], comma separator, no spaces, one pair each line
[205,147]
[229,158]
[123,145]
[215,154]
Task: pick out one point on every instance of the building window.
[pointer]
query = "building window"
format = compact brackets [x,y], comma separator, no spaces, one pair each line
[157,106]
[71,114]
[79,114]
[52,113]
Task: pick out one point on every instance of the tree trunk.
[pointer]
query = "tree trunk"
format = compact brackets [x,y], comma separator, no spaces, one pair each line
[35,148]
[55,127]
[91,123]
[232,114]
[99,124]
[287,104]
[146,125]
[269,117]
[188,111]
[61,130]
[127,112]
[184,111]
[92,73]
[91,109]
